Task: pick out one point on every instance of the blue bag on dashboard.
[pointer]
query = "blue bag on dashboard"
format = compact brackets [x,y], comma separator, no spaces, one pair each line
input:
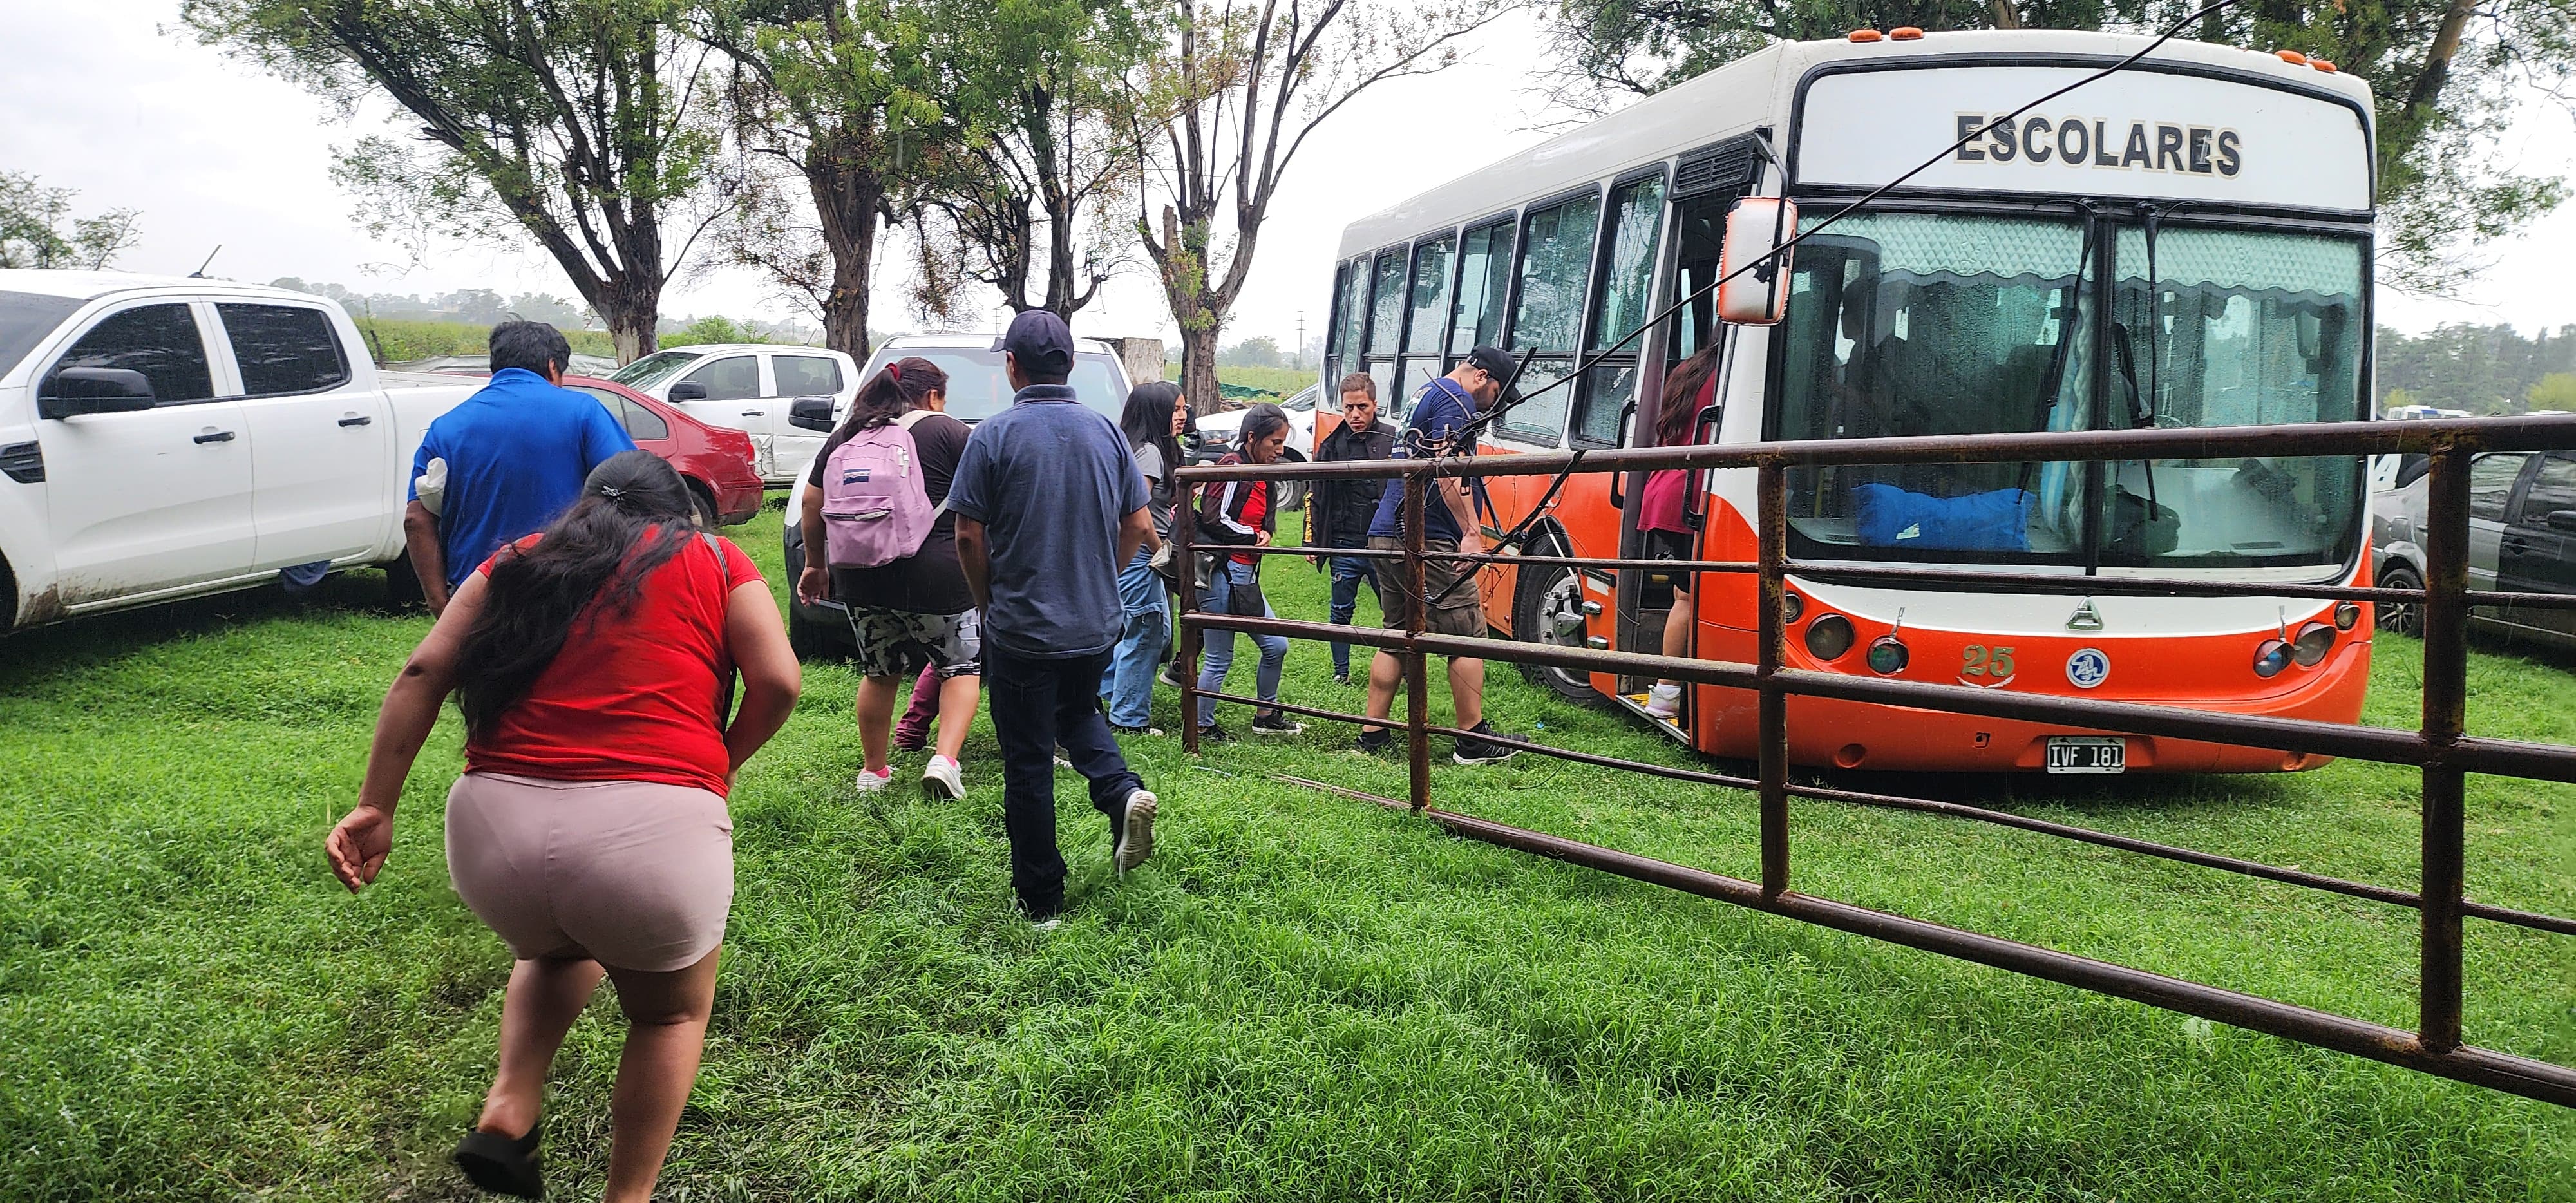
[1887,516]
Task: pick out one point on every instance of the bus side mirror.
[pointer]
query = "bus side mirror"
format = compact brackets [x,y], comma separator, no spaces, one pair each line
[1755,227]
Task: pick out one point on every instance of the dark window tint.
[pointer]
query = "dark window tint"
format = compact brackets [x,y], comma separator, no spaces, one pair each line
[1386,304]
[1556,261]
[734,378]
[25,319]
[2491,480]
[159,341]
[283,349]
[1431,263]
[1484,276]
[806,375]
[2552,488]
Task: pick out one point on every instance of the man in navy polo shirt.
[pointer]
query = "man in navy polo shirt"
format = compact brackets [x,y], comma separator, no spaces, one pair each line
[1438,425]
[506,462]
[1049,504]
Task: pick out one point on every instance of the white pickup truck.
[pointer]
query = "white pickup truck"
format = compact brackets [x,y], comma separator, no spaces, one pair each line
[162,438]
[749,387]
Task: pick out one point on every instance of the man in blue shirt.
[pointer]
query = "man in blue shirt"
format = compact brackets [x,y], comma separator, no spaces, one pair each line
[1049,504]
[504,463]
[1438,425]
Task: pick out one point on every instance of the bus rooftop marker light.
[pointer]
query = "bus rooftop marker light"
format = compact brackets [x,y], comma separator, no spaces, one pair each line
[1905,33]
[1863,35]
[2292,57]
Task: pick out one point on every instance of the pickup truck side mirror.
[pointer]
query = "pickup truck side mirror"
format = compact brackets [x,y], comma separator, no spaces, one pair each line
[809,413]
[71,392]
[2562,520]
[688,390]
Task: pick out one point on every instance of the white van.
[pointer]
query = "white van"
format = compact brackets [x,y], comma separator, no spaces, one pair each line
[748,386]
[163,438]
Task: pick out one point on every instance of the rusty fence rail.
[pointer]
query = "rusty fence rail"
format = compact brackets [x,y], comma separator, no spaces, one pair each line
[2439,748]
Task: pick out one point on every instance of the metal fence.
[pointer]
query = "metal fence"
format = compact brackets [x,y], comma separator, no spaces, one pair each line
[2440,748]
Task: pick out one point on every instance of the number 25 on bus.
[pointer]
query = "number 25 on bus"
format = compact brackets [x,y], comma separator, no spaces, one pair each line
[2185,243]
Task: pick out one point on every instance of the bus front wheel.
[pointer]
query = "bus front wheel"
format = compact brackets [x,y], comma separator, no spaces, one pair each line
[1549,609]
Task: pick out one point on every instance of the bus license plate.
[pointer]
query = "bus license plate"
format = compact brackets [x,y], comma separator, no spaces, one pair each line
[2087,754]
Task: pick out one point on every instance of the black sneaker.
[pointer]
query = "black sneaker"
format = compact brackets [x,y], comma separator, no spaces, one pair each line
[1171,674]
[1375,743]
[1488,747]
[1213,734]
[1276,722]
[1342,678]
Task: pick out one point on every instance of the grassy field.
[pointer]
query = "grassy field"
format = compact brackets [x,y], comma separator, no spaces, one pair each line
[395,340]
[1283,381]
[1301,997]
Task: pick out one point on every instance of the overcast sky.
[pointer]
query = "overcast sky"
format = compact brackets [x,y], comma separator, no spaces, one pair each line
[103,97]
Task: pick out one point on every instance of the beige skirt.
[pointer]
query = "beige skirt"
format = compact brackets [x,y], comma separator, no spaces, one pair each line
[633,874]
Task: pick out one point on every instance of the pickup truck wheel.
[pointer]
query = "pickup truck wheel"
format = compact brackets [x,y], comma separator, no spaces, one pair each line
[402,585]
[2402,618]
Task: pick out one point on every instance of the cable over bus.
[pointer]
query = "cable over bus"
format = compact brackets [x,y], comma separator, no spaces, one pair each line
[2185,243]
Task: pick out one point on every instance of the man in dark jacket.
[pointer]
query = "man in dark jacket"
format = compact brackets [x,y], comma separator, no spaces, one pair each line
[1342,509]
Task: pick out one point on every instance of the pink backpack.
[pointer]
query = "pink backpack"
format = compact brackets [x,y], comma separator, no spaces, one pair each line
[876,503]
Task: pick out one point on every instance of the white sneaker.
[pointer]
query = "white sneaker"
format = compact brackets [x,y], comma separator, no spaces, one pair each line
[1133,839]
[942,781]
[869,783]
[1664,701]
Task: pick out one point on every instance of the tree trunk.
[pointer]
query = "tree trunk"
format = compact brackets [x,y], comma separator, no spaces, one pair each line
[1198,368]
[630,325]
[2437,62]
[846,199]
[2005,17]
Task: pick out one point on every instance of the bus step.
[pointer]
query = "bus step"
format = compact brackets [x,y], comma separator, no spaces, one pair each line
[1671,728]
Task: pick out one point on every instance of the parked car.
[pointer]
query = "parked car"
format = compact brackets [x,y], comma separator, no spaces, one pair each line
[977,389]
[1301,422]
[715,460]
[163,438]
[747,386]
[2522,537]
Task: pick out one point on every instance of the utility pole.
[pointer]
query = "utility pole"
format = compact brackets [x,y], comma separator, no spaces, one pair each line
[1299,358]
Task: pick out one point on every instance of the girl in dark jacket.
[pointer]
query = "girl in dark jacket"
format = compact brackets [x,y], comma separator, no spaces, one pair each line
[1239,513]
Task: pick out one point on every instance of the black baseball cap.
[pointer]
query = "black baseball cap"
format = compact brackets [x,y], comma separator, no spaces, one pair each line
[1497,363]
[1039,340]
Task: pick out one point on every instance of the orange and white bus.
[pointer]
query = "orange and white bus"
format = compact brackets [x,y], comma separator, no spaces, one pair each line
[2184,243]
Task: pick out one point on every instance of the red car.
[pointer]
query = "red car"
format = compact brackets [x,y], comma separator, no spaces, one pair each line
[714,460]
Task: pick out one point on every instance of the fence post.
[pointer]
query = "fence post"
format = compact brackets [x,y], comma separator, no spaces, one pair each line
[1773,552]
[1417,677]
[2446,689]
[1185,575]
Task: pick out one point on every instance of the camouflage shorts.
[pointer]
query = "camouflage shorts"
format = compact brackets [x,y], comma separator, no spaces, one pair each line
[896,643]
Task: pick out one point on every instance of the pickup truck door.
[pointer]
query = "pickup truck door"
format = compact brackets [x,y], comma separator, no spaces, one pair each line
[734,397]
[2493,478]
[318,439]
[155,498]
[2533,553]
[796,376]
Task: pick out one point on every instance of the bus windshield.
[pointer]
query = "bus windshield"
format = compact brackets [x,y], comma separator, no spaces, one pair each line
[1923,324]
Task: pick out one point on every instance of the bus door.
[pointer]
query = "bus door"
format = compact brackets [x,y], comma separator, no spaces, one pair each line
[1706,185]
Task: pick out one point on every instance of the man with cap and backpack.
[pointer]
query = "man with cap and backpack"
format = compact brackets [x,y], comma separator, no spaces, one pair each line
[876,507]
[1049,505]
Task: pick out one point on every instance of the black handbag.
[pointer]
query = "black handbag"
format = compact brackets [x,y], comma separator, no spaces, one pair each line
[1243,598]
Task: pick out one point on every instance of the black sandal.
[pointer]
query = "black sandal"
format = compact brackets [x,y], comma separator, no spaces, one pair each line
[502,1165]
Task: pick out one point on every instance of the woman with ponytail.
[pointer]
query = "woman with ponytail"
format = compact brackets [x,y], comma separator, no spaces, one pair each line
[594,664]
[1688,389]
[911,614]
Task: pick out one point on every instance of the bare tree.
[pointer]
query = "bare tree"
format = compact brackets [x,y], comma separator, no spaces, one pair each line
[1221,113]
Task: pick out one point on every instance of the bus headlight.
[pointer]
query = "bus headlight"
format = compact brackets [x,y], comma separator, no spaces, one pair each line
[1829,636]
[1887,655]
[1791,606]
[2270,657]
[2313,642]
[2346,614]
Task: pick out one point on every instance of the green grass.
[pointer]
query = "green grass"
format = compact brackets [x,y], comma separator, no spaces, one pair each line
[1283,381]
[1301,997]
[398,340]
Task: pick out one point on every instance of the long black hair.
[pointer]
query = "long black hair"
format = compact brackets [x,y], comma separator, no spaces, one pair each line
[904,386]
[633,516]
[1259,422]
[1679,410]
[1147,420]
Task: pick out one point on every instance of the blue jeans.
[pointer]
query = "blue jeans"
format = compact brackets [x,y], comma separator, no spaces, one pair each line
[1220,645]
[1130,683]
[1038,704]
[1348,572]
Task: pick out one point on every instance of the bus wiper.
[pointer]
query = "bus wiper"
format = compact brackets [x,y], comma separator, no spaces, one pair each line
[2140,412]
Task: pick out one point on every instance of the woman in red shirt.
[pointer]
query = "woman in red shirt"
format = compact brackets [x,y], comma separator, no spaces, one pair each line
[593,664]
[1239,513]
[1691,388]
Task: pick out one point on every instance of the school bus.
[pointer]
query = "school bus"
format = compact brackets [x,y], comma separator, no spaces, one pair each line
[2184,243]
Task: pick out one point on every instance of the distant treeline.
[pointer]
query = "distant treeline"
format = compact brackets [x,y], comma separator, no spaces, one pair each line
[2481,369]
